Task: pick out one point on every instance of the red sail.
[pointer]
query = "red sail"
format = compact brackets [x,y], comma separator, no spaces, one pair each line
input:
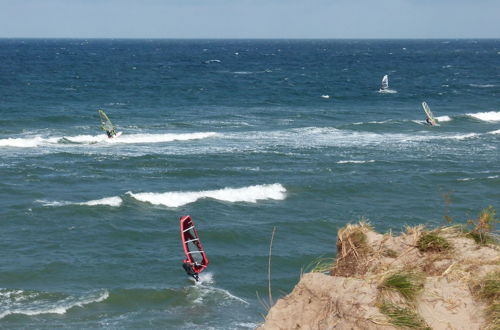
[195,255]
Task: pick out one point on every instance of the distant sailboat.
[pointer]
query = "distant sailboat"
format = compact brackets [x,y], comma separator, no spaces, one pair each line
[384,88]
[385,83]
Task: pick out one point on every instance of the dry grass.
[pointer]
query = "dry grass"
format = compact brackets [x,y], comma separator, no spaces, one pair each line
[390,253]
[488,290]
[483,226]
[352,250]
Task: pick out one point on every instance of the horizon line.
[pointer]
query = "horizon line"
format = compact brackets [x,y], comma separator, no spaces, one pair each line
[255,38]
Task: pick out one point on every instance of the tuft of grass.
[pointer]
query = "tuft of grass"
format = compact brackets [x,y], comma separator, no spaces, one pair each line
[320,265]
[488,290]
[403,317]
[408,284]
[431,241]
[483,226]
[352,250]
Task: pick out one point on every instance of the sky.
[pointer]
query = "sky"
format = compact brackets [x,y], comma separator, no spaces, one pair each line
[249,18]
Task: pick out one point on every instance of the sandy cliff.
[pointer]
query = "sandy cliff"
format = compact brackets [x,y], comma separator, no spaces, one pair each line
[440,279]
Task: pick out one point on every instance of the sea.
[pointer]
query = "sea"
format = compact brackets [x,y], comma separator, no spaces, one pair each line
[271,146]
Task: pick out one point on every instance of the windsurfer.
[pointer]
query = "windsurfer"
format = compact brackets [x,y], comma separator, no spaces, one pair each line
[189,268]
[110,133]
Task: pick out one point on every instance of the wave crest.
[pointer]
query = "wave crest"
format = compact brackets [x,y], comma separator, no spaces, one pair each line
[486,116]
[250,194]
[114,201]
[35,303]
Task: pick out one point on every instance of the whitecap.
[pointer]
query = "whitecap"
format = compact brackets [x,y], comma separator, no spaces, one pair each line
[26,142]
[495,132]
[250,194]
[482,85]
[443,118]
[463,136]
[114,201]
[140,138]
[486,116]
[36,303]
[355,161]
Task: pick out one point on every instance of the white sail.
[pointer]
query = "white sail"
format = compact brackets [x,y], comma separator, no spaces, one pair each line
[385,82]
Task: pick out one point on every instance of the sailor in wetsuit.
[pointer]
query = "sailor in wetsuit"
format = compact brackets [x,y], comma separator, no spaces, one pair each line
[189,268]
[110,133]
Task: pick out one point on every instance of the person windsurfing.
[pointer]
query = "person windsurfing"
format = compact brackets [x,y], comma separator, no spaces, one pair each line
[189,267]
[196,260]
[111,133]
[106,125]
[429,121]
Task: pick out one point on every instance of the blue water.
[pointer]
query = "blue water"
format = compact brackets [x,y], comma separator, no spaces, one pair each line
[239,134]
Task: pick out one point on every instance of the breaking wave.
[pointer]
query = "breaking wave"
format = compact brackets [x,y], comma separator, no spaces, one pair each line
[443,118]
[108,201]
[35,303]
[26,142]
[486,116]
[249,194]
[139,138]
[31,142]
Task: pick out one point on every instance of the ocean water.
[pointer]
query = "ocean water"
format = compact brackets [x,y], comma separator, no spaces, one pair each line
[244,136]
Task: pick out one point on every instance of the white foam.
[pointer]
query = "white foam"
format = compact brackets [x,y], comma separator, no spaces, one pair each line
[141,138]
[109,201]
[355,161]
[387,91]
[114,201]
[34,303]
[482,86]
[26,142]
[443,118]
[325,96]
[495,132]
[486,116]
[250,194]
[463,136]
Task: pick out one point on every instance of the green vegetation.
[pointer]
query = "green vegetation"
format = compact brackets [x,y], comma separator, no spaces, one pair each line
[431,241]
[408,284]
[483,226]
[403,317]
[488,290]
[320,265]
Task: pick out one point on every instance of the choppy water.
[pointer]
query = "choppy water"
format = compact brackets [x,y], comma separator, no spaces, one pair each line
[240,135]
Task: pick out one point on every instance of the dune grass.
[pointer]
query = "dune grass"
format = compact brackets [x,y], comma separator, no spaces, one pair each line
[483,226]
[431,241]
[488,290]
[403,317]
[408,284]
[319,265]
